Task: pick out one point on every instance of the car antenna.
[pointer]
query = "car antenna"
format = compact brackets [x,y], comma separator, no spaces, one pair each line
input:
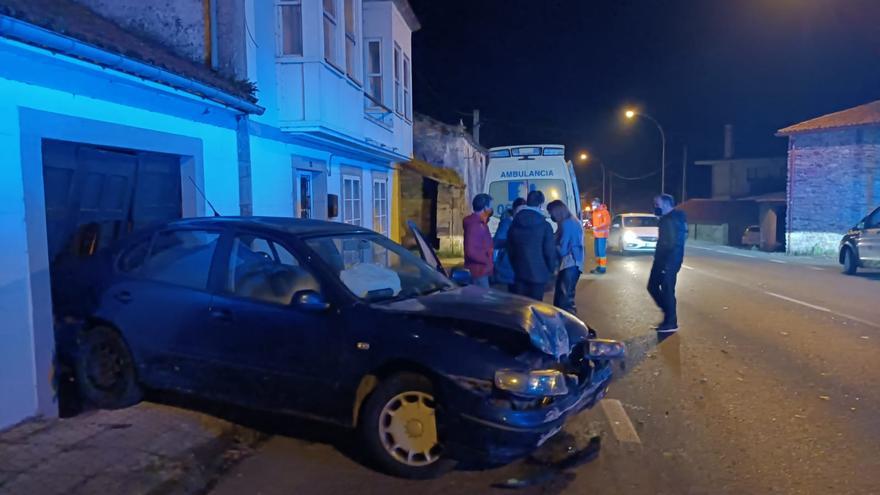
[203,196]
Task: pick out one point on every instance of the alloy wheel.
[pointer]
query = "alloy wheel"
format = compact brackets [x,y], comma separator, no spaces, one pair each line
[408,429]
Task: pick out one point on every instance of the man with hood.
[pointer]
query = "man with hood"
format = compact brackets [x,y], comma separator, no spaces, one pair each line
[601,221]
[478,249]
[532,248]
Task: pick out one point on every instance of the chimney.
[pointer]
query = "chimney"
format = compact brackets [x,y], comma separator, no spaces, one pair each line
[728,141]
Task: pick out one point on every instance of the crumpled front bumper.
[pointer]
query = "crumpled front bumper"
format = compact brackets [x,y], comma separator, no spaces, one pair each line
[483,433]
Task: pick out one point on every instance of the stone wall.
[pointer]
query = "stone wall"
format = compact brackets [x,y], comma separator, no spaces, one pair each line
[834,181]
[449,146]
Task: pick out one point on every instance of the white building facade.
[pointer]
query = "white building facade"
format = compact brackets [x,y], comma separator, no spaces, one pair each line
[100,128]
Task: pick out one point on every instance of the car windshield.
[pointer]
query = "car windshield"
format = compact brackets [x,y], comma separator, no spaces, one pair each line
[645,221]
[504,192]
[374,268]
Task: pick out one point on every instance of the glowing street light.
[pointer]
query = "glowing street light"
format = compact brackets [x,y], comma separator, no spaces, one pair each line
[630,114]
[584,157]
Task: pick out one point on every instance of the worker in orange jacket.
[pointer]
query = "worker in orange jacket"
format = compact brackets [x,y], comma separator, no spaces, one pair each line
[601,221]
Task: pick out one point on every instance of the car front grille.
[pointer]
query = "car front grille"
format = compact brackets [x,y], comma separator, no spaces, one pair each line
[648,239]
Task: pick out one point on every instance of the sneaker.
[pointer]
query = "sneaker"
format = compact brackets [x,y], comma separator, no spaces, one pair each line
[597,271]
[667,328]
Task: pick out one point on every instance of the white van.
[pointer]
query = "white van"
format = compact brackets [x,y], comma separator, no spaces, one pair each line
[515,170]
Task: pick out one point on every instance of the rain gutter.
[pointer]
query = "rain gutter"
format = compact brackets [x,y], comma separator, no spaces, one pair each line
[28,33]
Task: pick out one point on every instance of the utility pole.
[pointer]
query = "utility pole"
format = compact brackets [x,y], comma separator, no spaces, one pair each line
[684,172]
[477,125]
[611,193]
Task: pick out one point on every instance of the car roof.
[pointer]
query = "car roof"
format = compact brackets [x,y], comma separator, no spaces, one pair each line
[283,225]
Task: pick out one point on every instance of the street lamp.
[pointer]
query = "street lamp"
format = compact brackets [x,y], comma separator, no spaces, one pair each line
[584,157]
[631,114]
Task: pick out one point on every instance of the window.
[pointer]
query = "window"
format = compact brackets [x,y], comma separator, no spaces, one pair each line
[180,257]
[872,221]
[266,271]
[651,221]
[398,105]
[407,89]
[374,71]
[290,27]
[351,200]
[306,202]
[373,267]
[503,192]
[330,24]
[380,206]
[351,38]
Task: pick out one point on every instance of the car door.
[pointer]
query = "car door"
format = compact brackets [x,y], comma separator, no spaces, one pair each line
[614,235]
[268,350]
[160,300]
[869,239]
[427,252]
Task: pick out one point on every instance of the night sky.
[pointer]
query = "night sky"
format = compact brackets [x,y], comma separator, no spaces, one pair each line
[562,71]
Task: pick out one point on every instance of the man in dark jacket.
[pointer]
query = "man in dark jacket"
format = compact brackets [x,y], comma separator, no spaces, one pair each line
[503,269]
[532,248]
[478,250]
[667,259]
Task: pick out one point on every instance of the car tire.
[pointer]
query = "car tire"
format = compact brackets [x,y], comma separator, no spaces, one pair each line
[105,370]
[850,265]
[400,413]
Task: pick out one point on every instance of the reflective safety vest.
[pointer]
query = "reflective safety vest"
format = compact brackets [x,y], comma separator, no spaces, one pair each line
[601,222]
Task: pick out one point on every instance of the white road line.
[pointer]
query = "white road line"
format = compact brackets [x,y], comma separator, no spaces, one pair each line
[819,268]
[797,301]
[778,261]
[621,425]
[824,310]
[687,267]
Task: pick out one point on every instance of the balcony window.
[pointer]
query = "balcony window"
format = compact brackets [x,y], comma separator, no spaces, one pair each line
[374,71]
[290,28]
[407,89]
[398,104]
[351,37]
[351,200]
[330,32]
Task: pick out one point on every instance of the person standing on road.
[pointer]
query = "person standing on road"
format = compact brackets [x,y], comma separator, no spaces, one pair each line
[503,268]
[570,249]
[478,248]
[668,258]
[531,248]
[601,221]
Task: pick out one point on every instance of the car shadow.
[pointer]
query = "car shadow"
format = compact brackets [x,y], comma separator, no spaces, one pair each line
[867,275]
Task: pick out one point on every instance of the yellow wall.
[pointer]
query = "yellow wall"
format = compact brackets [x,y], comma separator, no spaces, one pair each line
[395,205]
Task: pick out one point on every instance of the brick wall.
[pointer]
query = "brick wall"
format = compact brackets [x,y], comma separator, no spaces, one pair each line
[833,182]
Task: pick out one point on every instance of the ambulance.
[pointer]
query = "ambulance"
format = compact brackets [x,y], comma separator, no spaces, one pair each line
[513,171]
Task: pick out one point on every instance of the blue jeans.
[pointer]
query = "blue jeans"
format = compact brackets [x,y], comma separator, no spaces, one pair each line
[566,284]
[481,281]
[601,259]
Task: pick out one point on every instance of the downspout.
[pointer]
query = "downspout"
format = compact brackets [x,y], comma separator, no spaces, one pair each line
[789,192]
[33,35]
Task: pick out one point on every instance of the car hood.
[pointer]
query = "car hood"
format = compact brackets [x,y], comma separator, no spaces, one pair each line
[550,329]
[646,231]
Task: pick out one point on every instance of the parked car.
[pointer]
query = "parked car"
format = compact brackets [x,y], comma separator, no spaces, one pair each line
[751,236]
[860,247]
[634,232]
[337,323]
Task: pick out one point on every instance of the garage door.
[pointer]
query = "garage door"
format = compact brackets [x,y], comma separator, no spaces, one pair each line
[95,196]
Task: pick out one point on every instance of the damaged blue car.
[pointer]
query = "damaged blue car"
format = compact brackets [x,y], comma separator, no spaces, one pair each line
[332,322]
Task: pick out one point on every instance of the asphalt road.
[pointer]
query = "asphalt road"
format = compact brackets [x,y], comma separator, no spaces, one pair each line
[770,386]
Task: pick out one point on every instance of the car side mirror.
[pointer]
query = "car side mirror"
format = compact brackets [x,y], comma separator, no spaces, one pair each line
[309,300]
[461,276]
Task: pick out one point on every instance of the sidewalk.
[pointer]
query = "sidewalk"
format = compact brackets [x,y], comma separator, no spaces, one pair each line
[145,449]
[756,253]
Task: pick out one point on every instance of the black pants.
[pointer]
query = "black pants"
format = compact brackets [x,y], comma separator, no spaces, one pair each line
[661,286]
[566,284]
[529,289]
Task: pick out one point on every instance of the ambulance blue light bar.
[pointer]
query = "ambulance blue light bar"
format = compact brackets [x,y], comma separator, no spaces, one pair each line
[499,153]
[554,151]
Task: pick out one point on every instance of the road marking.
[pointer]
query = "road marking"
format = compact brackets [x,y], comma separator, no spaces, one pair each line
[778,261]
[724,252]
[621,425]
[687,267]
[819,268]
[824,309]
[797,301]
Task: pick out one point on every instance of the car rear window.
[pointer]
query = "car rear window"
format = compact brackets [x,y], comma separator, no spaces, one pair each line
[645,221]
[179,257]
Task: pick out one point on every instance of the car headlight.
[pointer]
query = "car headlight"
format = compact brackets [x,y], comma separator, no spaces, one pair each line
[630,236]
[540,383]
[606,349]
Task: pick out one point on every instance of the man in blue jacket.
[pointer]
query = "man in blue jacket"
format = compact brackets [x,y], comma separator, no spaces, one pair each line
[532,248]
[503,268]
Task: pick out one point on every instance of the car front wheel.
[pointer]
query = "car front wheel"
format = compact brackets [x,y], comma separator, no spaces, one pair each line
[105,370]
[399,428]
[850,266]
